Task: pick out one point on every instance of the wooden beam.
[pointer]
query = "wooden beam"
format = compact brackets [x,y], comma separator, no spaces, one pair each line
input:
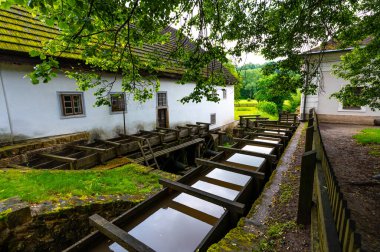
[117,234]
[248,141]
[152,133]
[71,161]
[270,157]
[137,138]
[168,129]
[229,204]
[203,123]
[270,129]
[108,142]
[59,158]
[267,135]
[243,116]
[232,168]
[277,126]
[87,148]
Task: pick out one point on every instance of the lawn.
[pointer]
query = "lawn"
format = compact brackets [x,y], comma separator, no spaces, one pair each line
[39,185]
[245,107]
[370,137]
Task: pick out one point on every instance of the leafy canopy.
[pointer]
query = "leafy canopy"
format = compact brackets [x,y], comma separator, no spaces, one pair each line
[107,35]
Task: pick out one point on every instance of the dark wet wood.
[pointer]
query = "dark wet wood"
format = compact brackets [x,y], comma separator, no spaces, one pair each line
[229,204]
[118,235]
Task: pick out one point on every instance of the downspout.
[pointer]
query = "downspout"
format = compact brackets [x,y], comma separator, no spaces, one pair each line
[303,117]
[6,106]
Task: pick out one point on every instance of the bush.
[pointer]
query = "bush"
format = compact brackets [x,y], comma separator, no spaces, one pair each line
[243,109]
[292,104]
[268,107]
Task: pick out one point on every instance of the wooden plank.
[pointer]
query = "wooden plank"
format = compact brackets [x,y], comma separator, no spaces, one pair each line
[309,138]
[270,157]
[87,148]
[59,158]
[168,129]
[137,138]
[271,129]
[108,142]
[329,235]
[232,168]
[267,135]
[117,234]
[203,123]
[248,141]
[152,133]
[229,204]
[306,187]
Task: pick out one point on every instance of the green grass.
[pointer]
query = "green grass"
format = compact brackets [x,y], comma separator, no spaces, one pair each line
[368,136]
[252,111]
[40,185]
[246,103]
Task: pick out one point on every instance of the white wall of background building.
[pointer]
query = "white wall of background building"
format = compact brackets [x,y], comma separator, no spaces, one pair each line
[35,110]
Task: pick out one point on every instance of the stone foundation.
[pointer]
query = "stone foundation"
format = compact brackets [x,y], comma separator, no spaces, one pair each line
[347,119]
[23,230]
[21,152]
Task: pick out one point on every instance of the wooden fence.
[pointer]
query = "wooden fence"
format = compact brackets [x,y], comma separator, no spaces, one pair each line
[336,229]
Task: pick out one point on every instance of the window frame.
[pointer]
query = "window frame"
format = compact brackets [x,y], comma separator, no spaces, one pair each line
[158,100]
[62,106]
[224,91]
[342,109]
[125,103]
[211,121]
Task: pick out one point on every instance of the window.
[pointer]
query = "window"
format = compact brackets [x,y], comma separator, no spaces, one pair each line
[224,93]
[117,102]
[162,99]
[72,104]
[213,118]
[346,106]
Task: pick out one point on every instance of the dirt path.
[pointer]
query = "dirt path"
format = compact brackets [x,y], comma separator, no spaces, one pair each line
[354,169]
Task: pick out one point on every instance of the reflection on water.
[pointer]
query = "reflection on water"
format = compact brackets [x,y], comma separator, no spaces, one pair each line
[170,230]
[230,177]
[266,140]
[246,160]
[274,132]
[200,204]
[259,149]
[215,189]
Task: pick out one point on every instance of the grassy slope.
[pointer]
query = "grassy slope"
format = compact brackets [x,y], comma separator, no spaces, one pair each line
[39,185]
[250,108]
[370,137]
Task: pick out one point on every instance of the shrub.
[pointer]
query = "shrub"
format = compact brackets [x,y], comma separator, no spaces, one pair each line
[293,103]
[268,107]
[243,109]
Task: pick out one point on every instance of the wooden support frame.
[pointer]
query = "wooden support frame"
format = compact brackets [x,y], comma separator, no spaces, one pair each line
[248,141]
[277,126]
[71,161]
[118,235]
[88,148]
[161,135]
[268,135]
[108,142]
[232,168]
[176,131]
[271,129]
[270,157]
[229,204]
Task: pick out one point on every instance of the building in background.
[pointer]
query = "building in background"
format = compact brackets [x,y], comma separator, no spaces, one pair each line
[31,111]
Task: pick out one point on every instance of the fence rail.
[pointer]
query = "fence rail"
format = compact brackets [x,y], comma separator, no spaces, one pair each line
[336,229]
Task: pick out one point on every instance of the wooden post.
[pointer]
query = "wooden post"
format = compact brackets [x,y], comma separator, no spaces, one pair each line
[310,122]
[309,138]
[306,187]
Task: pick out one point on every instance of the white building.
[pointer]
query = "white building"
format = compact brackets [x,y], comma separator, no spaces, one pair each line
[330,109]
[29,111]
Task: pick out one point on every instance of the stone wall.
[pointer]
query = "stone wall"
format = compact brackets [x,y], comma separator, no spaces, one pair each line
[22,151]
[23,230]
[347,119]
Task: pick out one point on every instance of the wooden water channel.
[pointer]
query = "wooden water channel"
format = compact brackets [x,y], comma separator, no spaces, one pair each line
[145,147]
[199,209]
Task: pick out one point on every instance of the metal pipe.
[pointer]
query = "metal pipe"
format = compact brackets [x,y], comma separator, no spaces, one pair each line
[6,105]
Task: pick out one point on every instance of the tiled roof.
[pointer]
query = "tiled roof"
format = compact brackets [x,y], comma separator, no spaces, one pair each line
[333,45]
[21,32]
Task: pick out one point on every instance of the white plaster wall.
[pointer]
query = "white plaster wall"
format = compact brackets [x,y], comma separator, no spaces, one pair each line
[36,111]
[331,84]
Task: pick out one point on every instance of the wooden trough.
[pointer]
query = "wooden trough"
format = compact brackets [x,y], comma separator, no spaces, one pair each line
[197,210]
[145,146]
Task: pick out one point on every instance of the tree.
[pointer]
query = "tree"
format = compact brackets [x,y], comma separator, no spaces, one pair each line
[107,34]
[251,77]
[361,66]
[278,83]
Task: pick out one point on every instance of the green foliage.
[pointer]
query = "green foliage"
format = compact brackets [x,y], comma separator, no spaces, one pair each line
[279,82]
[268,107]
[368,136]
[250,77]
[275,232]
[40,185]
[293,103]
[250,108]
